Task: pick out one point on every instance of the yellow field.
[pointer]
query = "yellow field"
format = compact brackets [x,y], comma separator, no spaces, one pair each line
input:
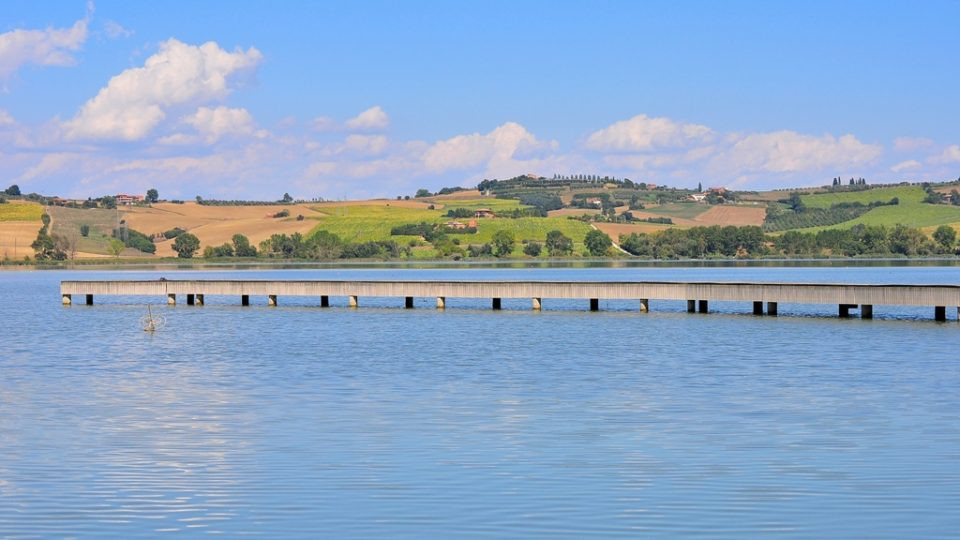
[20,211]
[16,237]
[215,225]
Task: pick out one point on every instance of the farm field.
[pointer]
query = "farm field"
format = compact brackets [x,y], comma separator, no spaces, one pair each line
[826,200]
[911,211]
[564,212]
[724,215]
[19,223]
[20,211]
[677,210]
[66,222]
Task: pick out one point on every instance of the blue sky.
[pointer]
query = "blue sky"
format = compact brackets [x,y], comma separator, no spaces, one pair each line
[334,100]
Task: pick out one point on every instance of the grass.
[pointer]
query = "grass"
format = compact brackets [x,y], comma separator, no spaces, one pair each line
[911,211]
[473,204]
[678,210]
[20,211]
[67,221]
[906,194]
[373,223]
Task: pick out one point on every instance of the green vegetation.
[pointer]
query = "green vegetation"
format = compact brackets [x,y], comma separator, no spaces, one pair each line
[597,243]
[152,196]
[502,242]
[49,247]
[558,244]
[186,245]
[905,194]
[679,210]
[135,239]
[13,191]
[242,247]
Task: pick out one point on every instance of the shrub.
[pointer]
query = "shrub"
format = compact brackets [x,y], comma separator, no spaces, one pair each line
[173,233]
[597,243]
[532,249]
[84,230]
[186,245]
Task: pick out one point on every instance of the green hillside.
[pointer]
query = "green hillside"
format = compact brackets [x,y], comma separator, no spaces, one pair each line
[911,211]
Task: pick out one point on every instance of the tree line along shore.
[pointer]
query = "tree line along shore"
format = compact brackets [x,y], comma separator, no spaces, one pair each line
[520,218]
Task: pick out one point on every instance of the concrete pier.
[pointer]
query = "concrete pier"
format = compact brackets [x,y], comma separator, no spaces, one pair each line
[536,304]
[697,294]
[644,305]
[191,299]
[408,302]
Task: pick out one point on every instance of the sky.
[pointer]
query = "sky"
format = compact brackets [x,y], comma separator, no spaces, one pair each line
[244,100]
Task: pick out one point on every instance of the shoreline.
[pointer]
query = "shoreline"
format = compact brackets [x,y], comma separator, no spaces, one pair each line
[200,264]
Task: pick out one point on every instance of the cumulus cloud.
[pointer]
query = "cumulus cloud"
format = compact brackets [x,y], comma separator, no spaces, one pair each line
[49,47]
[950,154]
[790,152]
[642,133]
[215,123]
[464,151]
[908,165]
[370,145]
[371,119]
[138,99]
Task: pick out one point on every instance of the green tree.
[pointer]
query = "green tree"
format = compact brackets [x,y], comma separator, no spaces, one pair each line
[84,230]
[242,247]
[115,247]
[945,236]
[287,198]
[423,193]
[186,245]
[13,191]
[502,243]
[558,244]
[108,201]
[533,249]
[152,196]
[597,243]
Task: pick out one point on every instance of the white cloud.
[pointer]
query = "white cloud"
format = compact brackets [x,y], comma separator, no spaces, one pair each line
[950,154]
[903,144]
[324,123]
[790,152]
[909,165]
[214,123]
[6,119]
[114,30]
[49,47]
[370,119]
[642,133]
[464,151]
[137,100]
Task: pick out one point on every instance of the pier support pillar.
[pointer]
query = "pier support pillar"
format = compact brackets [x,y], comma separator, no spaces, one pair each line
[272,300]
[324,301]
[496,303]
[772,308]
[940,313]
[594,304]
[536,304]
[89,299]
[691,306]
[244,299]
[408,302]
[199,299]
[352,300]
[191,300]
[866,311]
[441,302]
[702,306]
[171,299]
[758,308]
[67,300]
[644,305]
[845,309]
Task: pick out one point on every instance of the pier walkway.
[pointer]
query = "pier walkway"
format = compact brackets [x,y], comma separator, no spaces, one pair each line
[765,297]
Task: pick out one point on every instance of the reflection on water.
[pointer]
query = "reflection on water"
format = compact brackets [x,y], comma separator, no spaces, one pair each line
[385,422]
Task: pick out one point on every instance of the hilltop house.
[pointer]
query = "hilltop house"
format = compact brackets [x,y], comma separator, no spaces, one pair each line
[484,213]
[128,199]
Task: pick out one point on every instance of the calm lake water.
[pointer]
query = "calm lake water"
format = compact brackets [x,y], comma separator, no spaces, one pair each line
[381,422]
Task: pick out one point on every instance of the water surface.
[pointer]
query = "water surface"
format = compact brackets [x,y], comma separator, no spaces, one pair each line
[383,422]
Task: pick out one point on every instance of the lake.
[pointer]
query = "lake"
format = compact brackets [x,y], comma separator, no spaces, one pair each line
[381,422]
